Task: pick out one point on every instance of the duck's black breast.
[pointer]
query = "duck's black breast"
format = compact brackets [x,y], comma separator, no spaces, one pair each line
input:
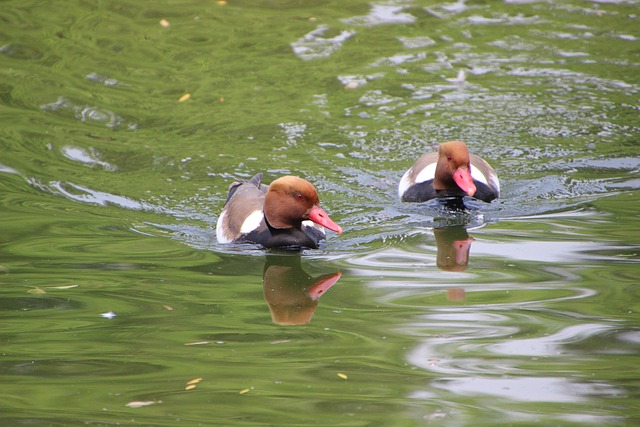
[289,238]
[423,191]
[419,192]
[484,192]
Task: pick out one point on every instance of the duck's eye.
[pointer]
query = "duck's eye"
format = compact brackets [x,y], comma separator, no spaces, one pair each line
[299,196]
[448,157]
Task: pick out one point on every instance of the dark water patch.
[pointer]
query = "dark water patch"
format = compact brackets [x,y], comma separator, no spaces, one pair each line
[73,368]
[38,303]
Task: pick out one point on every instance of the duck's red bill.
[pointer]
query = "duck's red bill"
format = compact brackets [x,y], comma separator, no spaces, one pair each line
[462,177]
[317,215]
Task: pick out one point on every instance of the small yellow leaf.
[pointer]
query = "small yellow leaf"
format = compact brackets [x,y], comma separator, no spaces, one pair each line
[184,97]
[343,376]
[195,381]
[164,23]
[190,387]
[168,307]
[37,291]
[244,391]
[197,343]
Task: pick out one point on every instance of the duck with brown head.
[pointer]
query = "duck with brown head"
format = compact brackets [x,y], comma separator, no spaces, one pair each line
[452,172]
[285,214]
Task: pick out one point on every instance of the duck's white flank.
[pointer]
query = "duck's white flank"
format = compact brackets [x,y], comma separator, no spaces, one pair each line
[219,231]
[495,181]
[252,222]
[425,174]
[478,176]
[404,184]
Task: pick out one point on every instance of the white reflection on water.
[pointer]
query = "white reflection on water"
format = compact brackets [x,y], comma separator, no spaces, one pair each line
[87,195]
[530,389]
[381,13]
[406,261]
[458,346]
[89,156]
[313,45]
[7,169]
[504,19]
[539,251]
[631,336]
[549,344]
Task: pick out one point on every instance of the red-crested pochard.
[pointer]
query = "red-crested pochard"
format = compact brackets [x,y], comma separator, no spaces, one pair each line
[284,214]
[450,172]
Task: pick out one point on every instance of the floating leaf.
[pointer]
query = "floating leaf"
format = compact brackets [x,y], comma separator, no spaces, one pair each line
[168,307]
[37,291]
[184,97]
[140,404]
[190,387]
[197,343]
[195,381]
[343,376]
[62,287]
[164,23]
[245,391]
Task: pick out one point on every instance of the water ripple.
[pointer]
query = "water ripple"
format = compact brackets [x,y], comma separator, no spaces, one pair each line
[88,113]
[87,156]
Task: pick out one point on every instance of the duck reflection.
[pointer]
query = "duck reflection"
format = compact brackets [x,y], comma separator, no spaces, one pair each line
[292,295]
[453,245]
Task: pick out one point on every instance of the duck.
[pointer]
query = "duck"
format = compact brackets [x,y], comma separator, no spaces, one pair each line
[451,172]
[285,214]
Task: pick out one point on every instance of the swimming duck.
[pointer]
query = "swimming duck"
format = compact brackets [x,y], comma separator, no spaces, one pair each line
[451,172]
[284,214]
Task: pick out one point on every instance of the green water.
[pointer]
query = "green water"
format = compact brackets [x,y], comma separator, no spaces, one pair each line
[114,291]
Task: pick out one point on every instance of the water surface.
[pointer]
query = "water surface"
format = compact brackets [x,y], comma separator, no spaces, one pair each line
[124,123]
